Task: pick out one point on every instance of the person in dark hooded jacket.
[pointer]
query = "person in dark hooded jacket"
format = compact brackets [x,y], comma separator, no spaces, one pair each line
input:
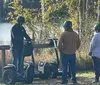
[18,34]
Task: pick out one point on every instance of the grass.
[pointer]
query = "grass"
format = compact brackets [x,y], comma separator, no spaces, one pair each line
[86,78]
[88,74]
[83,78]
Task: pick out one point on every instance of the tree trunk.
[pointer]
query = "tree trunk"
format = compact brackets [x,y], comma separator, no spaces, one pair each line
[80,17]
[98,18]
[1,9]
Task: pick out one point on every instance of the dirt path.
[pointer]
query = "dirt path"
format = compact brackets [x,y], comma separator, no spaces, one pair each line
[80,80]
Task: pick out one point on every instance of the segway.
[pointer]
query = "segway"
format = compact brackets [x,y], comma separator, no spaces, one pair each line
[10,75]
[54,68]
[44,70]
[54,65]
[47,70]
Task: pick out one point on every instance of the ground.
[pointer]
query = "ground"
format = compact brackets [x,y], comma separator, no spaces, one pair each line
[80,80]
[83,78]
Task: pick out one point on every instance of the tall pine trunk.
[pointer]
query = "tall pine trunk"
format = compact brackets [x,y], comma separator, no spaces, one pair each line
[98,18]
[1,9]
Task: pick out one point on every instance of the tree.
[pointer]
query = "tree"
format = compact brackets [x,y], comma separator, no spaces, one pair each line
[1,9]
[42,28]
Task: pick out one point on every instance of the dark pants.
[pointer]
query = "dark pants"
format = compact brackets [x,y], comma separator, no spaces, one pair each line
[68,59]
[96,64]
[17,59]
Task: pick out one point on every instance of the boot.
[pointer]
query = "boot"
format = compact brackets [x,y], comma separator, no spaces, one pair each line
[95,81]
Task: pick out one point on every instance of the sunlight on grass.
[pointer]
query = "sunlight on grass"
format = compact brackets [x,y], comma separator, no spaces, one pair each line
[88,74]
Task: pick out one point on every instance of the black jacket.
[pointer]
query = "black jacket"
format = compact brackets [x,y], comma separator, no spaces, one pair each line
[18,34]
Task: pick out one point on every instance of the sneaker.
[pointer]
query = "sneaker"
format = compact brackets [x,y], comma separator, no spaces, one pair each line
[64,82]
[74,82]
[95,81]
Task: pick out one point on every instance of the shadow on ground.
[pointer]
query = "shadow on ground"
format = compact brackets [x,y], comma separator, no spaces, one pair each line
[57,81]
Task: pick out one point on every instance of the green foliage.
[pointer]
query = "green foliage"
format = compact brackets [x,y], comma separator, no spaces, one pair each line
[73,11]
[18,10]
[54,12]
[59,12]
[36,20]
[87,74]
[46,23]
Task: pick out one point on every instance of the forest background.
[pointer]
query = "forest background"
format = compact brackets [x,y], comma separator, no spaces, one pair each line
[46,22]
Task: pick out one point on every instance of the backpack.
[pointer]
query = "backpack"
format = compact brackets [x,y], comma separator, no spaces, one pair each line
[28,49]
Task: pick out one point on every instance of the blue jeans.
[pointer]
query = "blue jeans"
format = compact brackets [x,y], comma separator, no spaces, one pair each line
[96,64]
[68,59]
[17,55]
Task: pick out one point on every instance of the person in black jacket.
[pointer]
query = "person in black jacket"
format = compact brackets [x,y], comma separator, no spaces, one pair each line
[18,34]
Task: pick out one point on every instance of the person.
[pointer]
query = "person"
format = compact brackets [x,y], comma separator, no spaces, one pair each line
[94,52]
[18,34]
[68,44]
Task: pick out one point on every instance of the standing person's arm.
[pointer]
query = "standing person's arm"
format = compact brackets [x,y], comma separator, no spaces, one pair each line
[26,35]
[60,44]
[92,45]
[78,42]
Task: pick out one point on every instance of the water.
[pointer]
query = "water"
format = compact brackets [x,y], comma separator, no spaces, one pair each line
[5,33]
[4,43]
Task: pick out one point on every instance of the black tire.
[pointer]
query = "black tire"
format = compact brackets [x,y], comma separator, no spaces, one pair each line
[29,75]
[54,71]
[9,76]
[46,74]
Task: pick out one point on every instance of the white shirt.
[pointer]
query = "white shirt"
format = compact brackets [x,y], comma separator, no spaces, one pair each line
[95,45]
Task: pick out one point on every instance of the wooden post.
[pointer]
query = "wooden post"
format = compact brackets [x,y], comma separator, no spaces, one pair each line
[3,49]
[3,59]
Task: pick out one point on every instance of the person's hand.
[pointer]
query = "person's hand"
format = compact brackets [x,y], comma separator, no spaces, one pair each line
[90,53]
[29,40]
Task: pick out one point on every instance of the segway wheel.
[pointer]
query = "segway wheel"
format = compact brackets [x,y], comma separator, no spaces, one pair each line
[9,76]
[54,71]
[46,74]
[30,75]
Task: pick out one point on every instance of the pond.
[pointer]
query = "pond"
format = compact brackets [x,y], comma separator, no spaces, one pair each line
[5,33]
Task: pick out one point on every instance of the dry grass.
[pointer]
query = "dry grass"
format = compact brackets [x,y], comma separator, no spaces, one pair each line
[84,78]
[84,61]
